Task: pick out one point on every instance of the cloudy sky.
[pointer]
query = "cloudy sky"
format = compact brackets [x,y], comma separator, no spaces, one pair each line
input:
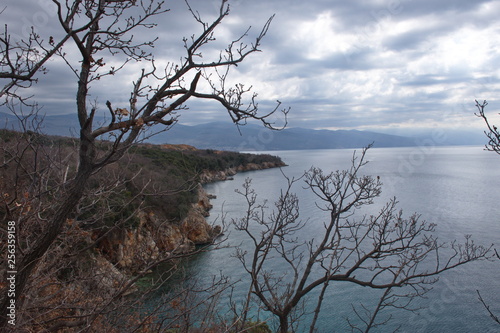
[384,65]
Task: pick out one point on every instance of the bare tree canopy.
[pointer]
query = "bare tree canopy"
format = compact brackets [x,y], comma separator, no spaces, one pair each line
[384,251]
[491,131]
[493,135]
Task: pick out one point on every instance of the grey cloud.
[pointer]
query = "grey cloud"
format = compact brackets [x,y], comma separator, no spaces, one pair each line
[317,107]
[444,7]
[411,40]
[432,80]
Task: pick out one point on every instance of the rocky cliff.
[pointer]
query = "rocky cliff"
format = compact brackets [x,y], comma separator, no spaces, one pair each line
[155,239]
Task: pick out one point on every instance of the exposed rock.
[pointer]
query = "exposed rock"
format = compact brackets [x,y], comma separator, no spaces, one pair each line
[108,276]
[132,249]
[217,231]
[170,238]
[186,247]
[195,226]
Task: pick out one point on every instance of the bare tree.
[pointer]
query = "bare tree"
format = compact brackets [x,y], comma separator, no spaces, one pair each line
[491,131]
[74,284]
[493,134]
[95,30]
[385,251]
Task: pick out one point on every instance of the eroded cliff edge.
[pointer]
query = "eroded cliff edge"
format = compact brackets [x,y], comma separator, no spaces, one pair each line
[156,235]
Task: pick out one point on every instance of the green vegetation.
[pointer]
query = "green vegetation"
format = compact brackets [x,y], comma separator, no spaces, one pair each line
[162,179]
[195,160]
[177,172]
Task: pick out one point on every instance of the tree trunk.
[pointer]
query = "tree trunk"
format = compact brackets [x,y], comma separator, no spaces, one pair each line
[283,324]
[26,264]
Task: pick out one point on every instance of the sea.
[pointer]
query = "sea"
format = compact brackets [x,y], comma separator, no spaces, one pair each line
[456,187]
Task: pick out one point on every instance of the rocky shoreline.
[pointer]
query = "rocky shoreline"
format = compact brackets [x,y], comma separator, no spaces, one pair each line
[208,176]
[195,225]
[130,250]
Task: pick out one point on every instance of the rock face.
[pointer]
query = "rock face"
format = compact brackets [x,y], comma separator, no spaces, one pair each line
[129,249]
[153,239]
[194,225]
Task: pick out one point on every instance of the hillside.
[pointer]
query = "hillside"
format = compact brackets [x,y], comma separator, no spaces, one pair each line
[250,137]
[254,137]
[172,168]
[141,209]
[148,208]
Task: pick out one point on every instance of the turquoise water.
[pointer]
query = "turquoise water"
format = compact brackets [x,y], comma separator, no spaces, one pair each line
[455,187]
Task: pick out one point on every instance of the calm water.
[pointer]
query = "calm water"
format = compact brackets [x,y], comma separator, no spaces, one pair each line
[455,187]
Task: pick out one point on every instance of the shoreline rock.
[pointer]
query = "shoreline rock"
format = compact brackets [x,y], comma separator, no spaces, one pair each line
[208,176]
[195,225]
[153,239]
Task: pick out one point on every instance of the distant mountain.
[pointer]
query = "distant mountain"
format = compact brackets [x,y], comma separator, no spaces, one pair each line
[226,136]
[63,125]
[252,137]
